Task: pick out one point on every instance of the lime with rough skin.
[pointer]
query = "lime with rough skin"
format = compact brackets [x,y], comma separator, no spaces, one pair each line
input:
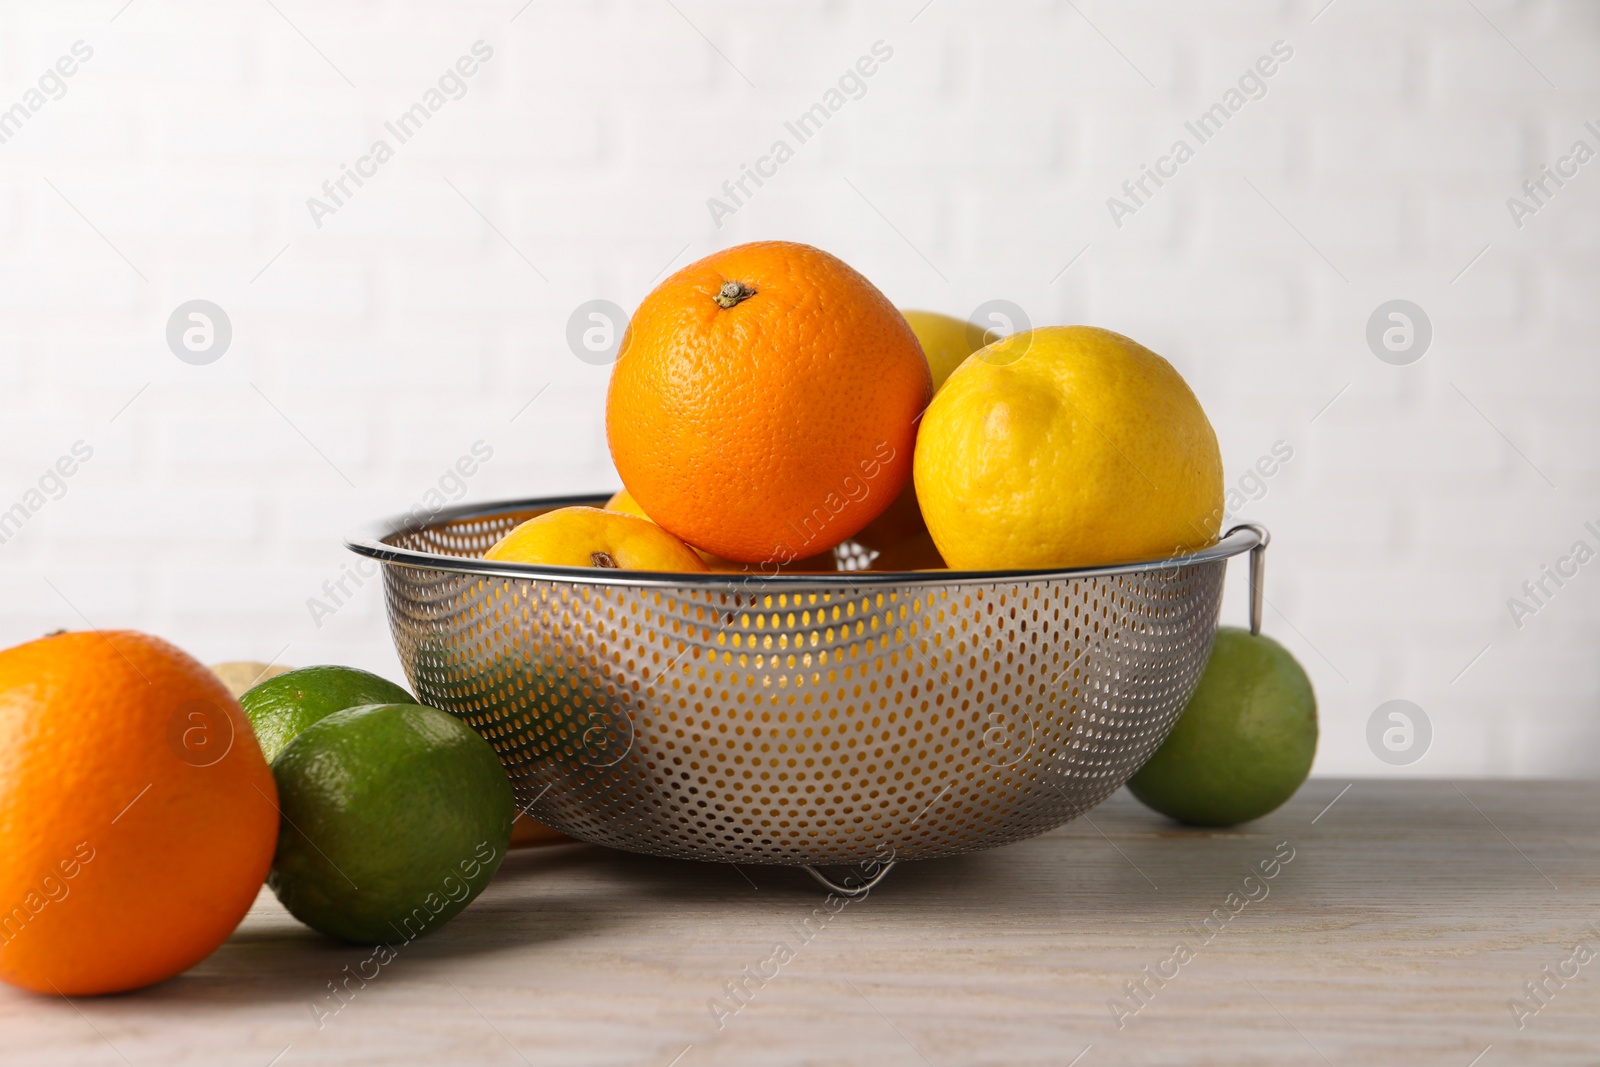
[394,817]
[1245,741]
[280,707]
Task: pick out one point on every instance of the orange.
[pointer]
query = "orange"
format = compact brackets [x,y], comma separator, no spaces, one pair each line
[590,537]
[526,833]
[764,404]
[901,538]
[137,817]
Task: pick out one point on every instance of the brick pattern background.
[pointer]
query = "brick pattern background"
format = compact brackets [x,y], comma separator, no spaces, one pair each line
[372,351]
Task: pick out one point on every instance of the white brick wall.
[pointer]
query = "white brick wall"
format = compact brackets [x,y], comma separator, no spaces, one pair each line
[405,328]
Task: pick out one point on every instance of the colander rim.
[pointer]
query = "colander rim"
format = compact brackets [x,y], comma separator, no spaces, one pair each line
[371,541]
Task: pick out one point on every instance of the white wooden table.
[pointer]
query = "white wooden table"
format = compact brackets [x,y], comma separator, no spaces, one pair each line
[1409,918]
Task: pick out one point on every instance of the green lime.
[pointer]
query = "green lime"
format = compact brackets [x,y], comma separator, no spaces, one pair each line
[394,817]
[279,708]
[1244,742]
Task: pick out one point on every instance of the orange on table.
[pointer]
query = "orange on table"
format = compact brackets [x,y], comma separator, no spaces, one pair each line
[592,537]
[528,833]
[764,404]
[137,816]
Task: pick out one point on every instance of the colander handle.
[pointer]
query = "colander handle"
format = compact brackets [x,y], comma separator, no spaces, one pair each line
[850,891]
[1258,572]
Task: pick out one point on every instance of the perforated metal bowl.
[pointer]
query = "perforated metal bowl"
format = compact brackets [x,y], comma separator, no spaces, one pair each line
[799,718]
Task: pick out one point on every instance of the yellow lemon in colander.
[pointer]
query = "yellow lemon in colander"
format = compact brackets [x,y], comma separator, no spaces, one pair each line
[1067,446]
[946,341]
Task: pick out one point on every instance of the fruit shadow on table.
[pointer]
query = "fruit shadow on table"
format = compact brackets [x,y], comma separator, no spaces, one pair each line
[1120,866]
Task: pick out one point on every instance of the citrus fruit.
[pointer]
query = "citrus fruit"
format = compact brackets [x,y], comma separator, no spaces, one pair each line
[1245,741]
[394,817]
[591,537]
[240,675]
[1067,446]
[137,817]
[526,833]
[280,707]
[763,406]
[623,501]
[899,536]
[946,341]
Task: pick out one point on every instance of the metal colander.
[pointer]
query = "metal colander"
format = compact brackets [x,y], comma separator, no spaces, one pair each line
[799,718]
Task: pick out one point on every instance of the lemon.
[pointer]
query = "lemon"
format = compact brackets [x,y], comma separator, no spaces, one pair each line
[394,817]
[1066,446]
[898,537]
[622,501]
[1245,741]
[240,675]
[594,537]
[946,341]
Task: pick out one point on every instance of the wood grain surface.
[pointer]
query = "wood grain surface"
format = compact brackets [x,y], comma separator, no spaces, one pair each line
[1409,919]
